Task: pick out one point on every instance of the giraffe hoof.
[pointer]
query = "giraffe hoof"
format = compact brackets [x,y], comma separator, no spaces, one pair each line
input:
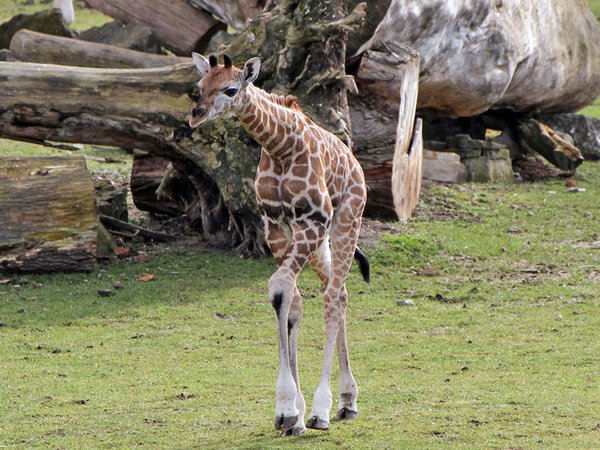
[285,423]
[294,431]
[346,414]
[317,424]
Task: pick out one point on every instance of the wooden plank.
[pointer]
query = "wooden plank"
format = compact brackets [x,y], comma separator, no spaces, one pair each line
[47,215]
[407,175]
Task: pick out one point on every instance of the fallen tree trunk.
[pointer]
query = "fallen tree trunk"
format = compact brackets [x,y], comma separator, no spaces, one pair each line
[180,26]
[35,47]
[47,215]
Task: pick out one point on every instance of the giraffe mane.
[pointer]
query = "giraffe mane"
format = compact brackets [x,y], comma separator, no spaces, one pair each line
[289,101]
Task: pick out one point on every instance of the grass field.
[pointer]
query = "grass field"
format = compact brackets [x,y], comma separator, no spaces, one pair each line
[500,349]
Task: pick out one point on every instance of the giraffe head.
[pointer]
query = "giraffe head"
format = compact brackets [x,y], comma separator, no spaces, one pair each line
[220,87]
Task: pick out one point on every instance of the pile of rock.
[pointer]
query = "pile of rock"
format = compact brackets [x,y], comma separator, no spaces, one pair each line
[461,158]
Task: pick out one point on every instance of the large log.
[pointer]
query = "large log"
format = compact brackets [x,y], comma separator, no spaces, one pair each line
[30,46]
[47,215]
[180,26]
[521,55]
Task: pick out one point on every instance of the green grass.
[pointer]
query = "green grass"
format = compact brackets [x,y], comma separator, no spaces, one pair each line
[499,351]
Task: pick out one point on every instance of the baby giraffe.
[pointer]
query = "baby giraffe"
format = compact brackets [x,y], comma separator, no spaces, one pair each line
[310,191]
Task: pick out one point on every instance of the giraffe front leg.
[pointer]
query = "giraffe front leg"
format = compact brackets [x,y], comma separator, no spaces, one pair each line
[294,319]
[281,294]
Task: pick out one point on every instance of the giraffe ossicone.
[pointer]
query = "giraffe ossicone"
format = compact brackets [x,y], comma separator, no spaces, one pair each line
[311,193]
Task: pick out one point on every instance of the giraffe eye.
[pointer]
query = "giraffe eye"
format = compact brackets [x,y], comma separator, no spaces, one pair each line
[230,92]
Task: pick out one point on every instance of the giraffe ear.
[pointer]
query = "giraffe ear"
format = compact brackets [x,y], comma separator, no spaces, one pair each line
[201,63]
[251,69]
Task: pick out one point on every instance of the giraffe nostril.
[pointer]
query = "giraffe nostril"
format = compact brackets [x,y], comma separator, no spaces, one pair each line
[199,111]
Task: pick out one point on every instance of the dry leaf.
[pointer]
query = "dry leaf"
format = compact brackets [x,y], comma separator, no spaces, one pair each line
[122,252]
[144,278]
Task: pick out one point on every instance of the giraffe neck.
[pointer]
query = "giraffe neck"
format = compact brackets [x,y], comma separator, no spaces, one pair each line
[272,123]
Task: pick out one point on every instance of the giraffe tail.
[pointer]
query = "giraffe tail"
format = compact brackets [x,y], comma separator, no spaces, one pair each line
[363,264]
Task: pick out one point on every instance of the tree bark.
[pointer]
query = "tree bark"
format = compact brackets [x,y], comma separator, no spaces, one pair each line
[180,26]
[35,47]
[47,215]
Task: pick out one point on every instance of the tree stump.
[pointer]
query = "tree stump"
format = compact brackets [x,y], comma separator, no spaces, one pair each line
[48,219]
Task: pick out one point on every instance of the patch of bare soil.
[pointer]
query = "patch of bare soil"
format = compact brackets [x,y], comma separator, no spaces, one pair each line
[436,207]
[372,228]
[536,170]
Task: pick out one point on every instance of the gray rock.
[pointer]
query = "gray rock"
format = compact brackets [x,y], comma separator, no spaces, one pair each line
[406,303]
[133,36]
[7,56]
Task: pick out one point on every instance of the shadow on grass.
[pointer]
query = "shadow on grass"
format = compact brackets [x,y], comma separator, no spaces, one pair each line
[117,289]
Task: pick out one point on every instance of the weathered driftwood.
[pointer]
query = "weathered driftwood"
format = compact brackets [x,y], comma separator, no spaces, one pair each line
[544,140]
[180,26]
[47,215]
[505,54]
[30,46]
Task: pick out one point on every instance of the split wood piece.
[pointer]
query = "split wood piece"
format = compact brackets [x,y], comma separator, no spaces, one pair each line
[115,224]
[408,174]
[30,46]
[390,73]
[383,117]
[48,217]
[180,26]
[544,140]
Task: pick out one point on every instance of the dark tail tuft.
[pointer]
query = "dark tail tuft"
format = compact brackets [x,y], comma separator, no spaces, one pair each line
[363,263]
